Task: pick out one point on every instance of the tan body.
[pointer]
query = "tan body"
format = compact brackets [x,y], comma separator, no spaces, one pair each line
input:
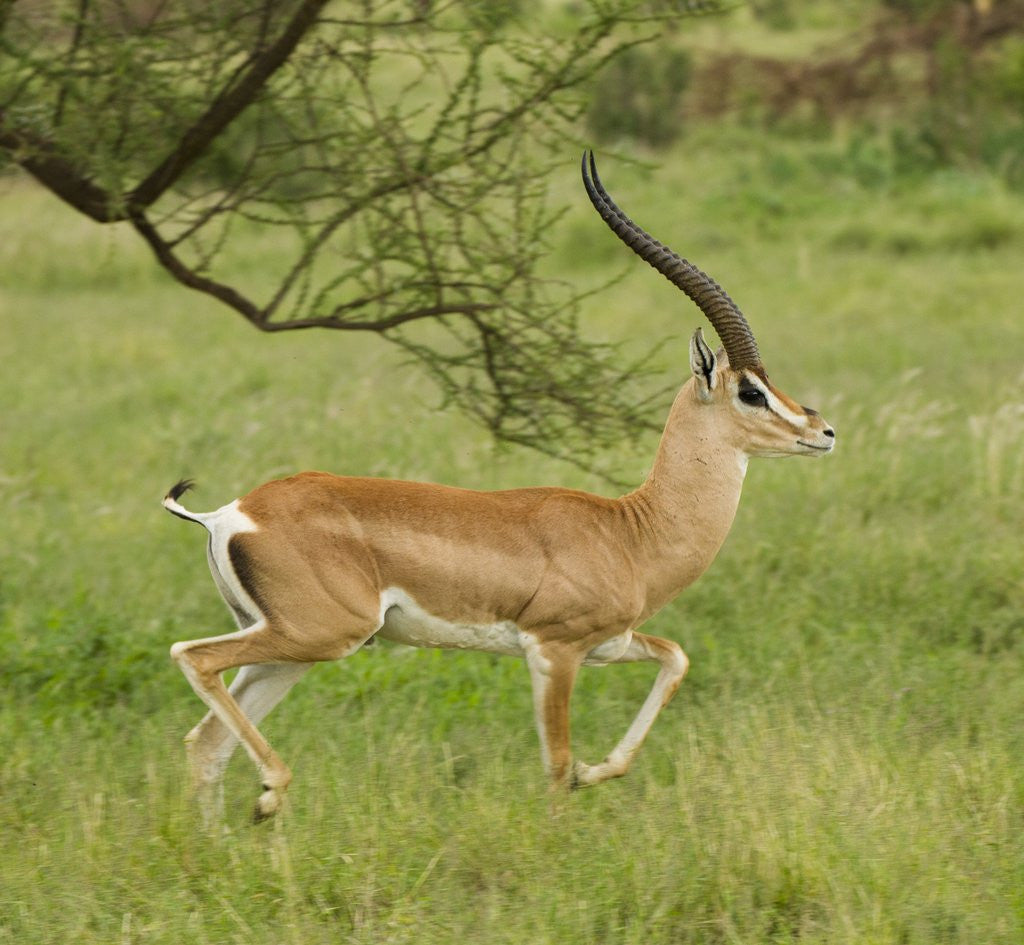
[559,564]
[315,566]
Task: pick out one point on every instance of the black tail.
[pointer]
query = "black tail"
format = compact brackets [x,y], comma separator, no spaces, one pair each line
[171,502]
[179,489]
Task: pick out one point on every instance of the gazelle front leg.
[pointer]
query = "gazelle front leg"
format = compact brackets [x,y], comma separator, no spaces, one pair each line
[673,668]
[553,672]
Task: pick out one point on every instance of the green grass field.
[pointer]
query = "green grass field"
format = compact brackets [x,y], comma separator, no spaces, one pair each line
[842,764]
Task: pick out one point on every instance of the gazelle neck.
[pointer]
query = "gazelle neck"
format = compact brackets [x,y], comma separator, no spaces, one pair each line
[684,511]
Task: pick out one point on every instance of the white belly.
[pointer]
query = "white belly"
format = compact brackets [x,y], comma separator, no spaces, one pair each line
[404,621]
[609,651]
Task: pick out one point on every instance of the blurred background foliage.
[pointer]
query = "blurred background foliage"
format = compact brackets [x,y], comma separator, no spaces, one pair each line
[920,84]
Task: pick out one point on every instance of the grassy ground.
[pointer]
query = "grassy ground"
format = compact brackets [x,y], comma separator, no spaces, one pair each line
[842,765]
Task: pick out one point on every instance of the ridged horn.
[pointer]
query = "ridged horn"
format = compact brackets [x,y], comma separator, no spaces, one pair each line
[710,297]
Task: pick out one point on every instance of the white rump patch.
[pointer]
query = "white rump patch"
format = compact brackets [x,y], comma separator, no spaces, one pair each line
[223,525]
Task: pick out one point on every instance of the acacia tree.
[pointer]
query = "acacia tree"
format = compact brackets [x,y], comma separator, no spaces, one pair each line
[387,161]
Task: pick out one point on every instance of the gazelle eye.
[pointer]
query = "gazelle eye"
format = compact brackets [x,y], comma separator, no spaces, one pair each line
[753,397]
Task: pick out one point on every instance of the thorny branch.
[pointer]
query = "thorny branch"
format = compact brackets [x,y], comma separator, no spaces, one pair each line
[395,158]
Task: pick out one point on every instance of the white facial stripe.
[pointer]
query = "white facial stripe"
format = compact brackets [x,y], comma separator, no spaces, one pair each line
[790,416]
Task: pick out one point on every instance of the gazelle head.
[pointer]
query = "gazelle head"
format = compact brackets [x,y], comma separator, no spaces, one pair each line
[758,418]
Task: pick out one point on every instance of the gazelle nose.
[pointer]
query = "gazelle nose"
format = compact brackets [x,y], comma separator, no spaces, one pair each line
[829,432]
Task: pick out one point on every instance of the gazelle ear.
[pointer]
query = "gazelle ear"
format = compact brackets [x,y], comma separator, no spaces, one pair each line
[703,363]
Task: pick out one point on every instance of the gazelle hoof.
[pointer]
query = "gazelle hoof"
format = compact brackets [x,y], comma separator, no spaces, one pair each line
[578,777]
[267,804]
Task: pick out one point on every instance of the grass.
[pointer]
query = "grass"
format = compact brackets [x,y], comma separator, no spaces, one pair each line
[841,765]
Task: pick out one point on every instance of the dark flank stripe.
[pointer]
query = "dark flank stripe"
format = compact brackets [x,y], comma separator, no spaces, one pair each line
[241,617]
[241,564]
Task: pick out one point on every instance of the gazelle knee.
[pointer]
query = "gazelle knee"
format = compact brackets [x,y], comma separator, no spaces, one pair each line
[183,654]
[674,660]
[191,661]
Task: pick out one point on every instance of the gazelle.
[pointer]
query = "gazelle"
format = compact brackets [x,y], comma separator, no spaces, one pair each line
[315,566]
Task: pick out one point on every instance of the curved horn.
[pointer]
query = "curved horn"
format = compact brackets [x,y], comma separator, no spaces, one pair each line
[710,297]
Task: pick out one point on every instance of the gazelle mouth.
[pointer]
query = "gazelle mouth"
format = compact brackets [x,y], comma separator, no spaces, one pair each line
[811,446]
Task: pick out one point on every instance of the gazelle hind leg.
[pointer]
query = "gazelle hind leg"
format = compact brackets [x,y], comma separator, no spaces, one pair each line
[674,664]
[257,688]
[202,662]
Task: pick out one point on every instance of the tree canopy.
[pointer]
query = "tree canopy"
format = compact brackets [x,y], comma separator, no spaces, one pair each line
[391,158]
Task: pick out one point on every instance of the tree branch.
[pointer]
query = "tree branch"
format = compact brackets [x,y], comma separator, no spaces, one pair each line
[381,325]
[43,161]
[227,106]
[259,317]
[379,176]
[186,276]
